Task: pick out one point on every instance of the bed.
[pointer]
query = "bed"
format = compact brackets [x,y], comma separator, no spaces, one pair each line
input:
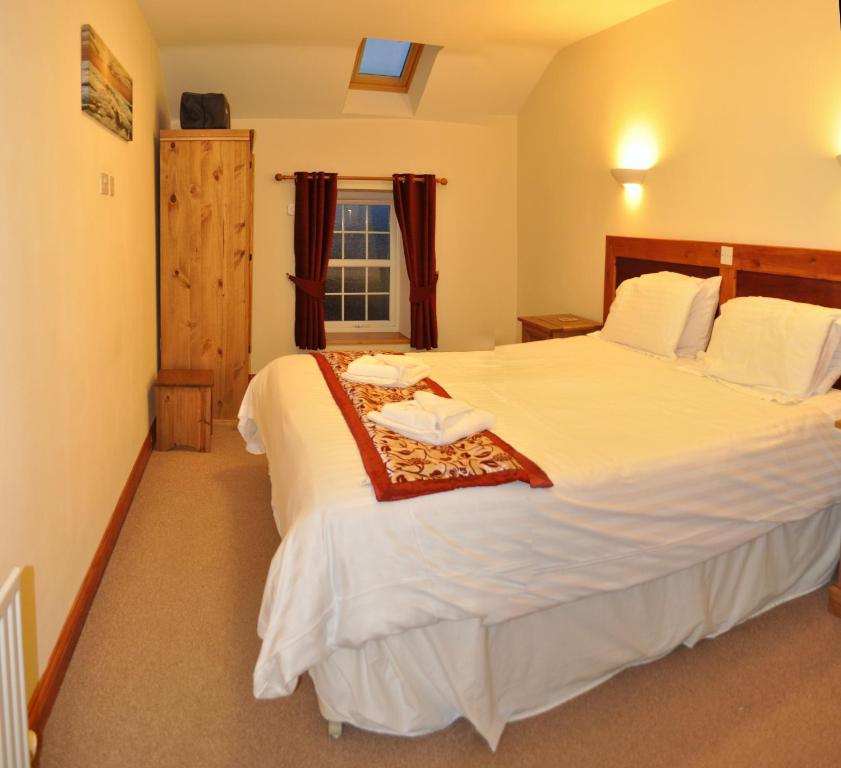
[679,508]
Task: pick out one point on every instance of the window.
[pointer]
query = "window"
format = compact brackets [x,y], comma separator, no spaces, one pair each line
[385,65]
[361,289]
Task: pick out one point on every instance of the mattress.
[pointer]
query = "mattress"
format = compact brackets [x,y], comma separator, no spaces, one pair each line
[654,469]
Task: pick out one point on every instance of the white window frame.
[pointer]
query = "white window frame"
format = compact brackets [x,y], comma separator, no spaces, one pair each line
[395,263]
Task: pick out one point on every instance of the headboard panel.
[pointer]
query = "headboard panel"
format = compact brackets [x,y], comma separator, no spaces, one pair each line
[631,267]
[824,292]
[627,257]
[797,274]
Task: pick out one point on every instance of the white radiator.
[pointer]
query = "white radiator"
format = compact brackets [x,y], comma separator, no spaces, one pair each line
[14,732]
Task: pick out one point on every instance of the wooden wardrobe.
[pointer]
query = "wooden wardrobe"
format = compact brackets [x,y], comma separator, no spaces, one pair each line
[207,192]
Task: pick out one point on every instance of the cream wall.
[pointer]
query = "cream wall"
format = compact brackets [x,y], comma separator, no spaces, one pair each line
[77,298]
[735,103]
[476,216]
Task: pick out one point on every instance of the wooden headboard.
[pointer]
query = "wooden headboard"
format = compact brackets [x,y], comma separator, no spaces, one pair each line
[798,274]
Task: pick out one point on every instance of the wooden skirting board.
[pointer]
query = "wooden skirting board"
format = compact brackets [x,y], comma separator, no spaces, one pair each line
[49,685]
[835,599]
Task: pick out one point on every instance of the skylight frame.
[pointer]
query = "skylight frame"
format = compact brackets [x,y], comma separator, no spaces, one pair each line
[401,84]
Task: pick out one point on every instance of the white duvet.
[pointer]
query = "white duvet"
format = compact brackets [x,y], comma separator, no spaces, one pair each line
[654,470]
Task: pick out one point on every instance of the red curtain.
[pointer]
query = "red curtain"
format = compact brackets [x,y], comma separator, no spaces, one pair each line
[414,203]
[315,210]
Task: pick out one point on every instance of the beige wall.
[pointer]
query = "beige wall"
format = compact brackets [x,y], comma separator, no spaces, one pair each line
[738,104]
[476,216]
[77,296]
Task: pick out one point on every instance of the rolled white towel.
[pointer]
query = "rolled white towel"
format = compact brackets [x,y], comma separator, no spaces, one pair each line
[445,409]
[410,413]
[465,425]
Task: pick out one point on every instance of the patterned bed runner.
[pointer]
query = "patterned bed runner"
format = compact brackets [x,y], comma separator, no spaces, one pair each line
[400,467]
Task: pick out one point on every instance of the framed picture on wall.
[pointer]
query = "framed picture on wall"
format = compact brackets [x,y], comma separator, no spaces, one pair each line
[106,86]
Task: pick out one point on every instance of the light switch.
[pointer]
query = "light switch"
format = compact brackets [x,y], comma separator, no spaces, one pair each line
[290,209]
[111,186]
[104,186]
[727,255]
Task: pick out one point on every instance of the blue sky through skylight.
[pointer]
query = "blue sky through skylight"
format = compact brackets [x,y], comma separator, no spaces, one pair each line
[384,57]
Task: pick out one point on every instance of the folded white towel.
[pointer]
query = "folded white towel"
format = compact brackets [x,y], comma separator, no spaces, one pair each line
[466,424]
[370,369]
[409,378]
[410,413]
[400,362]
[368,365]
[445,409]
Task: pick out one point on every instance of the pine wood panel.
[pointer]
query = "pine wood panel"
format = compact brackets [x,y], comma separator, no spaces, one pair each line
[237,245]
[208,305]
[183,417]
[203,134]
[206,236]
[176,242]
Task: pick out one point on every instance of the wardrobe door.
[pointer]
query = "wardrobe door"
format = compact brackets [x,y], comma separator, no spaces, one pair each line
[234,283]
[205,259]
[179,241]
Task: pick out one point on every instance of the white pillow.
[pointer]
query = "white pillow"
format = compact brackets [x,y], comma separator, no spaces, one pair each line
[784,349]
[650,312]
[699,325]
[829,365]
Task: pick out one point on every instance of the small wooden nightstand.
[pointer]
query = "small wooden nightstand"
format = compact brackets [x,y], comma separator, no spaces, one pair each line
[184,409]
[542,327]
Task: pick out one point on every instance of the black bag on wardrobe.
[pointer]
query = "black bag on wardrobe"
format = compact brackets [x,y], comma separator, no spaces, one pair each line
[205,110]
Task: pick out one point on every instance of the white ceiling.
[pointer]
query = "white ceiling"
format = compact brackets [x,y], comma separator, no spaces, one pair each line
[293,58]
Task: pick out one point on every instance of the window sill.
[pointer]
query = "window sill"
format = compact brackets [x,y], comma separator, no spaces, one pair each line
[369,338]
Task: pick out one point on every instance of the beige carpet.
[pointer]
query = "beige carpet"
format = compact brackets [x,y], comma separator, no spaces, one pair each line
[162,673]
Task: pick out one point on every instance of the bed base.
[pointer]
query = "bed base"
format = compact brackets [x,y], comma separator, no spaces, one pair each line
[462,668]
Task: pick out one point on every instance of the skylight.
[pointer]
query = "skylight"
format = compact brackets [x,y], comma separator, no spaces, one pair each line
[385,65]
[383,57]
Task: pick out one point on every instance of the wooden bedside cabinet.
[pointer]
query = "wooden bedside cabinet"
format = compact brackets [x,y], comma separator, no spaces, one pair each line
[185,409]
[542,327]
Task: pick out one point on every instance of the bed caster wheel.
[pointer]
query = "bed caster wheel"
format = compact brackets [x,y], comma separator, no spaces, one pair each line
[334,729]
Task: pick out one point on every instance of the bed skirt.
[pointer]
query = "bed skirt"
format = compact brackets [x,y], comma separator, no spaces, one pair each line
[424,679]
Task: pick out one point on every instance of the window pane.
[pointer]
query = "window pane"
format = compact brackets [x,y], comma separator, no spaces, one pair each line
[337,223]
[379,217]
[354,246]
[354,279]
[379,279]
[378,246]
[334,280]
[378,307]
[384,57]
[354,307]
[354,217]
[332,307]
[336,248]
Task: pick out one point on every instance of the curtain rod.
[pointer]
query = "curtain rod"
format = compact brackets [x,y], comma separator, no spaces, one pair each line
[291,177]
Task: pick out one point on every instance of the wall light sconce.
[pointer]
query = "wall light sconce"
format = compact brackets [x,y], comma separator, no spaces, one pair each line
[629,177]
